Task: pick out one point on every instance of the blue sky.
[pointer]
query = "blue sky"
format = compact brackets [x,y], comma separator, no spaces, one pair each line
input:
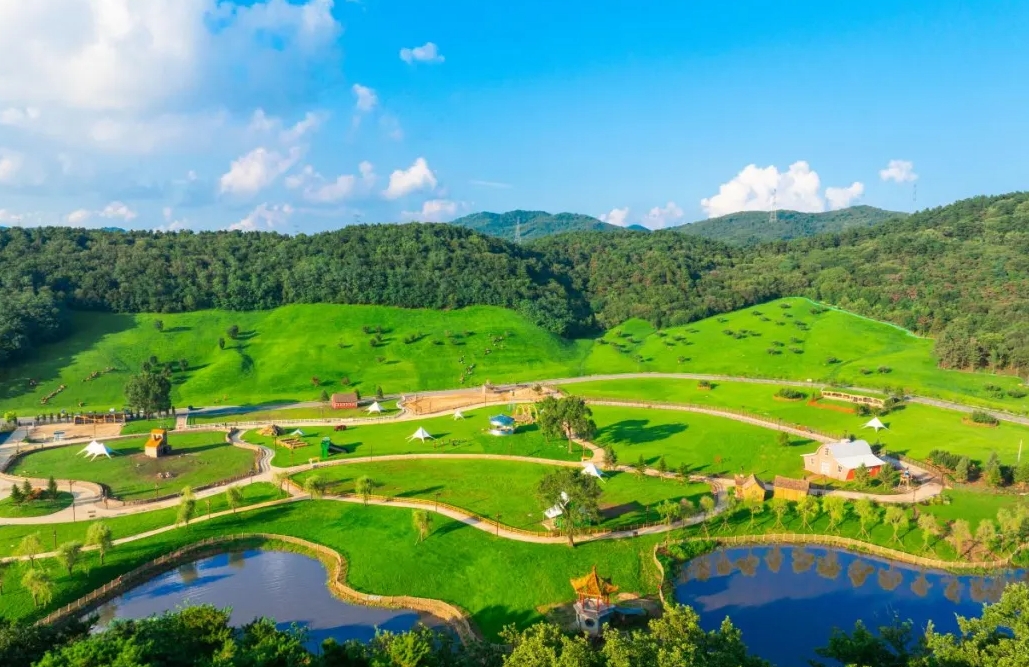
[307,115]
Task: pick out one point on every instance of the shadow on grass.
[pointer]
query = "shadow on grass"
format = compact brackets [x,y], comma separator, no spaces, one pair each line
[636,431]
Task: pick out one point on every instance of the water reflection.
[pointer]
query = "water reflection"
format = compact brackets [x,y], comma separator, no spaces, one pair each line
[285,586]
[751,587]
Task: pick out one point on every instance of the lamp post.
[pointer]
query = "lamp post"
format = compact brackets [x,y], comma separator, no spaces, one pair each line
[437,501]
[55,539]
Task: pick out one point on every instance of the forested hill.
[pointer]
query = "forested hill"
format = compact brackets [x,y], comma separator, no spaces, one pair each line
[753,227]
[959,273]
[534,224]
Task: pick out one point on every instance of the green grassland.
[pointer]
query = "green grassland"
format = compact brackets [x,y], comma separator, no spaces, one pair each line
[497,580]
[462,436]
[504,488]
[913,430]
[130,524]
[34,508]
[144,426]
[708,445]
[286,413]
[197,459]
[858,343]
[278,352]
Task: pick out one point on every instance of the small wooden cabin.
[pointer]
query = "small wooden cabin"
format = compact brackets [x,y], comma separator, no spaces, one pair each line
[347,401]
[157,445]
[750,489]
[791,489]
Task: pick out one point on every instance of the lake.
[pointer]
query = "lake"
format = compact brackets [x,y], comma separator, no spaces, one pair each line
[287,587]
[787,600]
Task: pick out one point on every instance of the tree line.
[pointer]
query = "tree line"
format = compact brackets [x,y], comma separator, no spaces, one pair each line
[958,273]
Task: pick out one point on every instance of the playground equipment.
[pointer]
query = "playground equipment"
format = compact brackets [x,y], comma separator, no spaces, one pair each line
[526,413]
[328,449]
[502,425]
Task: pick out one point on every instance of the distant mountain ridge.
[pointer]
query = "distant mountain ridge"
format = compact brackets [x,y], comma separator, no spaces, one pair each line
[534,224]
[753,227]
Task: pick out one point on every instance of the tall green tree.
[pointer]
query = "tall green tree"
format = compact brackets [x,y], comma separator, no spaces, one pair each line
[149,393]
[579,495]
[422,522]
[69,554]
[99,536]
[39,584]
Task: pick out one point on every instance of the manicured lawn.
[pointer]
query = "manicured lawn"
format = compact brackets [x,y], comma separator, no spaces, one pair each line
[279,351]
[856,342]
[283,414]
[197,459]
[914,430]
[462,436]
[144,426]
[491,488]
[498,581]
[708,445]
[8,510]
[131,524]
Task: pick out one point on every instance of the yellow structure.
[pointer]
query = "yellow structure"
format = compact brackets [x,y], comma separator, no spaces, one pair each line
[270,431]
[157,445]
[594,587]
[750,489]
[791,489]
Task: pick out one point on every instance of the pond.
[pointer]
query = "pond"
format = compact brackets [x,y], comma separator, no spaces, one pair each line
[786,600]
[287,587]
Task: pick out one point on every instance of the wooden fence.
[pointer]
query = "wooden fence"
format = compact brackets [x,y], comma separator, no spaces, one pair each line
[337,565]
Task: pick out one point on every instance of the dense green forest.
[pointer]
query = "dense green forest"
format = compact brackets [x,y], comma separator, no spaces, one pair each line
[753,227]
[534,224]
[959,273]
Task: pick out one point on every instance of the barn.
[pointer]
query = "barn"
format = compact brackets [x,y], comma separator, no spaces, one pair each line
[344,401]
[841,459]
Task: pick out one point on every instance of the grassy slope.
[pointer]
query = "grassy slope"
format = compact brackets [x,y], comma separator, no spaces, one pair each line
[198,459]
[498,581]
[275,415]
[489,488]
[857,342]
[281,350]
[914,430]
[697,440]
[465,436]
[8,510]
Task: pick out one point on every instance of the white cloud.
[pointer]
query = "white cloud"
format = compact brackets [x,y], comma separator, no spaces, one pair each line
[492,184]
[256,170]
[753,189]
[405,181]
[18,117]
[310,123]
[9,218]
[899,171]
[79,216]
[617,216]
[116,210]
[367,100]
[11,166]
[263,124]
[264,217]
[663,216]
[435,210]
[843,197]
[319,191]
[426,53]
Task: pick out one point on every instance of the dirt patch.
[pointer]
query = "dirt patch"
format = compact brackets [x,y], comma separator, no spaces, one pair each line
[829,406]
[968,422]
[46,431]
[470,398]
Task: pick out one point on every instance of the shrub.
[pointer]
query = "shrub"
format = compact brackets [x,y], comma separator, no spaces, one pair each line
[756,313]
[866,371]
[832,360]
[944,459]
[785,306]
[790,393]
[704,384]
[795,340]
[1016,393]
[774,350]
[776,343]
[796,350]
[983,417]
[884,370]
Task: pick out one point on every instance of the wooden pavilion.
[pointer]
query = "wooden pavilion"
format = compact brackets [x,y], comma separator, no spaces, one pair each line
[593,587]
[593,604]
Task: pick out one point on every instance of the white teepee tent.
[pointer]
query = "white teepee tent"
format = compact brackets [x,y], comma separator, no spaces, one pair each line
[298,433]
[95,449]
[421,434]
[458,414]
[591,469]
[876,424]
[375,407]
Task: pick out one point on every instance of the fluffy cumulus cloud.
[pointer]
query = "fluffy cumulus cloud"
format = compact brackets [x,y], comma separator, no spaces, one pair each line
[366,99]
[9,217]
[257,170]
[265,217]
[899,171]
[799,188]
[435,210]
[663,216]
[316,189]
[79,216]
[116,210]
[843,197]
[19,117]
[426,53]
[617,216]
[403,182]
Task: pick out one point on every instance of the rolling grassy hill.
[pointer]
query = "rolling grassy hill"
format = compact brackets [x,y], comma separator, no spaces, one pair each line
[535,224]
[279,352]
[752,227]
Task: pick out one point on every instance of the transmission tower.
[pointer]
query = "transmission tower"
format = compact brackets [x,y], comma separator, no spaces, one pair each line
[773,215]
[518,231]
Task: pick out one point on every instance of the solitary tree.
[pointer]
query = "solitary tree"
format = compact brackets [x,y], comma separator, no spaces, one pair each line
[51,488]
[324,398]
[754,508]
[670,512]
[930,527]
[378,393]
[707,505]
[40,586]
[233,497]
[233,331]
[569,417]
[986,534]
[732,504]
[610,457]
[578,494]
[221,343]
[868,514]
[422,521]
[780,506]
[187,507]
[836,508]
[662,466]
[861,475]
[898,519]
[281,478]
[68,555]
[960,534]
[30,547]
[888,476]
[148,392]
[784,439]
[17,496]
[963,470]
[640,467]
[183,364]
[809,508]
[684,473]
[26,489]
[363,487]
[159,325]
[99,536]
[315,486]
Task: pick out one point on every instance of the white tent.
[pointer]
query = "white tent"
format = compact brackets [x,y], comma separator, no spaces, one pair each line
[558,509]
[590,468]
[421,434]
[375,407]
[298,432]
[458,414]
[95,449]
[876,424]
